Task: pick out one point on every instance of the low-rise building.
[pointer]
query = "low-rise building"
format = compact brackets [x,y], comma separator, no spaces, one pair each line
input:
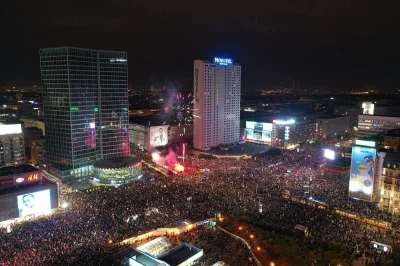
[180,133]
[146,136]
[332,127]
[391,140]
[390,184]
[370,125]
[351,111]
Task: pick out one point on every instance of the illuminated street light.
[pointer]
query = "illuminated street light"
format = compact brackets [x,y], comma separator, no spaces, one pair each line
[240,228]
[258,248]
[251,236]
[272,264]
[64,205]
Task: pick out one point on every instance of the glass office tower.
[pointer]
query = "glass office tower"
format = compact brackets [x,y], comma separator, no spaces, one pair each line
[85,101]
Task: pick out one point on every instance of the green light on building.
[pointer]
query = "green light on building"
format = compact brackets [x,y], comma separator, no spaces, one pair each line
[96,109]
[126,109]
[74,108]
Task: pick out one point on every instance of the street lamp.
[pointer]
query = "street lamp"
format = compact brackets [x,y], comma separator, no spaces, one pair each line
[64,205]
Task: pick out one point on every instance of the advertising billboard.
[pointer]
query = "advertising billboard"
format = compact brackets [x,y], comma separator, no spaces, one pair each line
[329,154]
[159,136]
[33,203]
[362,171]
[258,131]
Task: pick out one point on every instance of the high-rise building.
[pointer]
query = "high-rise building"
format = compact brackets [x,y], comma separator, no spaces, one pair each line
[217,103]
[12,149]
[85,98]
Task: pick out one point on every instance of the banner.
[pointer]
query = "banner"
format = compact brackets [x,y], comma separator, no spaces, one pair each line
[362,170]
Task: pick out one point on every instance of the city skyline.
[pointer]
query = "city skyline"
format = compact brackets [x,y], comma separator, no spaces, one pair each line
[324,45]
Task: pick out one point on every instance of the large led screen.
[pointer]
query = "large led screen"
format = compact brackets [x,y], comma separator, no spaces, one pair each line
[362,170]
[35,202]
[159,136]
[258,131]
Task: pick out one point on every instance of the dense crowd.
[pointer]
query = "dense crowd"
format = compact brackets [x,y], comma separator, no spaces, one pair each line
[235,187]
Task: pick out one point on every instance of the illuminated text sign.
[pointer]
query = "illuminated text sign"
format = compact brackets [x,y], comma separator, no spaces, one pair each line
[222,61]
[365,143]
[283,122]
[113,60]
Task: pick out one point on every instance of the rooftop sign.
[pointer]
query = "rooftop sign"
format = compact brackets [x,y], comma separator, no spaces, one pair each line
[223,61]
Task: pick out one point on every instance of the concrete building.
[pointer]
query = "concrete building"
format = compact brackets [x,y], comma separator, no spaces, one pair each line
[139,136]
[85,100]
[12,149]
[369,125]
[38,152]
[285,133]
[332,127]
[351,111]
[390,184]
[216,115]
[392,140]
[144,137]
[289,133]
[180,133]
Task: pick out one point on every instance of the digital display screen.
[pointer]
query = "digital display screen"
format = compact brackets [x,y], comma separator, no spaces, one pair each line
[33,203]
[362,170]
[159,136]
[258,131]
[329,154]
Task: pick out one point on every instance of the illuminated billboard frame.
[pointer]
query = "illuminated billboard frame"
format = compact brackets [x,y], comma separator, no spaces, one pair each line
[362,172]
[329,154]
[258,131]
[284,122]
[365,143]
[34,203]
[10,129]
[159,136]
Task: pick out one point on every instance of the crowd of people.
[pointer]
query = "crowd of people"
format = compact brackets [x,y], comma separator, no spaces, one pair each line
[251,188]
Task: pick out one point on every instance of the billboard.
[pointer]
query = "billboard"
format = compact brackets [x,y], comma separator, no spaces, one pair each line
[258,131]
[159,136]
[362,170]
[35,202]
[329,154]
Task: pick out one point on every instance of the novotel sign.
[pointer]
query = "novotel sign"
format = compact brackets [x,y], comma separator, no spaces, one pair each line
[223,61]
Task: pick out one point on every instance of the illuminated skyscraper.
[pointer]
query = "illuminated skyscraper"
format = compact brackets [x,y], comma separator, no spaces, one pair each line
[217,106]
[85,95]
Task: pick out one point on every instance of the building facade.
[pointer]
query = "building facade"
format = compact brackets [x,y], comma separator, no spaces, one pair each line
[288,133]
[331,127]
[139,136]
[217,88]
[351,111]
[85,100]
[38,152]
[370,125]
[12,149]
[39,123]
[390,184]
[391,140]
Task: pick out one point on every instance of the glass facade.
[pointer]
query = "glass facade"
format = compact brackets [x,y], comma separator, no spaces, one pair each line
[84,108]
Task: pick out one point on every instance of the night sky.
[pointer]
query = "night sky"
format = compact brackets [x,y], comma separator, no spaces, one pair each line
[322,43]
